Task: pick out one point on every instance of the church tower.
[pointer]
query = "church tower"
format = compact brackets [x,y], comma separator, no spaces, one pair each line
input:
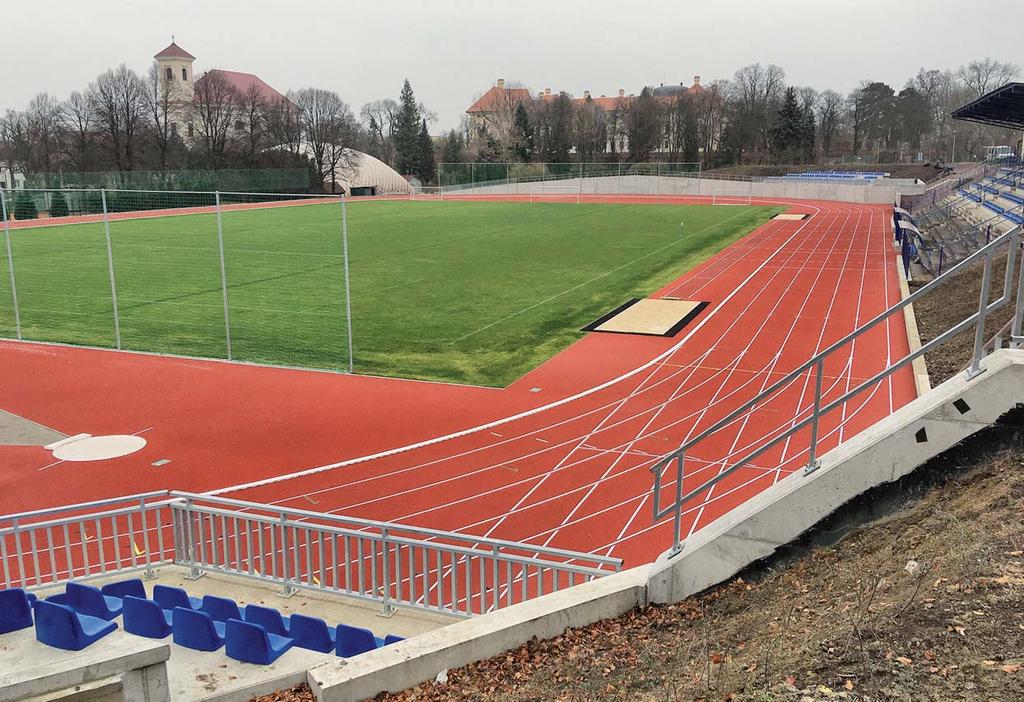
[175,66]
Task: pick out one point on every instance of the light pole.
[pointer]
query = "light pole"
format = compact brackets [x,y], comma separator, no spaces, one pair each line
[953,158]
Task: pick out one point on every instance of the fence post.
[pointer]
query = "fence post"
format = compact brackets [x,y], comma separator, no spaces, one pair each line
[677,509]
[10,263]
[387,609]
[1016,338]
[148,574]
[110,268]
[979,328]
[194,572]
[287,589]
[812,459]
[348,290]
[223,275]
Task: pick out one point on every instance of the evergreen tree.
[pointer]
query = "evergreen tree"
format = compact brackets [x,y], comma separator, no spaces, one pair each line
[58,205]
[407,132]
[523,147]
[558,136]
[452,152]
[25,206]
[425,167]
[789,128]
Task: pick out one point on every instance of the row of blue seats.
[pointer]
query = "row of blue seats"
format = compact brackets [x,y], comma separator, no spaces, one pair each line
[83,614]
[1000,193]
[1007,214]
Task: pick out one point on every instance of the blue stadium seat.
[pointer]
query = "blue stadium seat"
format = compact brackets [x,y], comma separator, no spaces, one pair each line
[145,618]
[251,643]
[311,633]
[196,630]
[267,617]
[15,610]
[353,640]
[220,608]
[60,626]
[88,600]
[170,597]
[391,638]
[123,588]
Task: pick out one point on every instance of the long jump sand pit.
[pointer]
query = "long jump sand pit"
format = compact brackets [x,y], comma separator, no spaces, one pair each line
[651,316]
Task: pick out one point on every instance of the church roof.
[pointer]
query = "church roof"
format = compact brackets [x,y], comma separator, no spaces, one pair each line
[243,82]
[174,51]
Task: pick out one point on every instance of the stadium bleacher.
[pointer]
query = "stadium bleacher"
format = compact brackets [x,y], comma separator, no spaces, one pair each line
[837,175]
[83,614]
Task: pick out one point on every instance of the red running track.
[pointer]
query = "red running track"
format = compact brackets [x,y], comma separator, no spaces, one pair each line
[569,473]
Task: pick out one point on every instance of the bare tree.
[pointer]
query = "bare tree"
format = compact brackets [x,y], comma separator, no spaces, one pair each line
[163,101]
[119,101]
[986,74]
[215,108]
[830,109]
[711,111]
[15,144]
[284,125]
[44,121]
[79,124]
[252,110]
[379,118]
[590,130]
[329,129]
[497,119]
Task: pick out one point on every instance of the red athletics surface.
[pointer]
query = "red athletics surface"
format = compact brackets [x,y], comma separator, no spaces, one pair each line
[574,476]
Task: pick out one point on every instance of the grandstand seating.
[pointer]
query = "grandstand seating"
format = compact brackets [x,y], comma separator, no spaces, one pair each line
[312,633]
[252,643]
[170,597]
[220,608]
[353,640]
[15,610]
[60,626]
[144,617]
[391,638]
[123,588]
[197,630]
[269,618]
[88,600]
[837,175]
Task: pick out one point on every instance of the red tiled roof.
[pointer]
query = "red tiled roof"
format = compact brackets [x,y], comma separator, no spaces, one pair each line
[174,51]
[609,104]
[242,82]
[492,99]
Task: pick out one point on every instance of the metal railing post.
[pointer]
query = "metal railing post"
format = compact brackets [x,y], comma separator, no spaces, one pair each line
[223,275]
[677,509]
[976,368]
[10,263]
[387,609]
[1016,338]
[287,589]
[110,268]
[194,571]
[813,462]
[148,574]
[348,290]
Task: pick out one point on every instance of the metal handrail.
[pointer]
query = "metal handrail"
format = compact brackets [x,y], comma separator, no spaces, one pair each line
[1010,239]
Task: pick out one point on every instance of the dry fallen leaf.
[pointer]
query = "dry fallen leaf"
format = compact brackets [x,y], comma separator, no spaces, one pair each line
[1011,668]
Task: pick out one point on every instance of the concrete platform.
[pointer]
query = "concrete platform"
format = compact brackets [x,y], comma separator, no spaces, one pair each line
[196,675]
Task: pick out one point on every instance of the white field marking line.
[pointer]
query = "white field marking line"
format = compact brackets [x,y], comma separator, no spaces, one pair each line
[585,283]
[853,344]
[511,418]
[518,437]
[531,478]
[821,335]
[714,399]
[143,431]
[746,418]
[777,356]
[586,459]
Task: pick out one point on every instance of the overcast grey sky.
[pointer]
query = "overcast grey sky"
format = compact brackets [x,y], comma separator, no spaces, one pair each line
[452,50]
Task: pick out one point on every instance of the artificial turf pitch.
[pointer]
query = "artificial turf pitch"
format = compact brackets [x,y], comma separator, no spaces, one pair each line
[472,292]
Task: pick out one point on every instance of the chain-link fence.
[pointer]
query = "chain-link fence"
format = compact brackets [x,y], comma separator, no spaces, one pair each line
[239,276]
[263,180]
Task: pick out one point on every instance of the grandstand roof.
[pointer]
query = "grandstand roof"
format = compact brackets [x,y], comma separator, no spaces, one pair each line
[1003,107]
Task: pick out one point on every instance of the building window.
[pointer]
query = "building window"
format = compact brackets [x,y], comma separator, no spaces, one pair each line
[184,74]
[169,73]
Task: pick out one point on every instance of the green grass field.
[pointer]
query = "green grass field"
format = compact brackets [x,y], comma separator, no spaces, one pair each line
[472,292]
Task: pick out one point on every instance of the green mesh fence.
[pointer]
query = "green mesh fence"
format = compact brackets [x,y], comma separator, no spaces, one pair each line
[263,180]
[469,174]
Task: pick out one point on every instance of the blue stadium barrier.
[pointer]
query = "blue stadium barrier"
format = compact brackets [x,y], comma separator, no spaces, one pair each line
[170,597]
[353,640]
[60,626]
[220,608]
[311,633]
[196,630]
[15,610]
[88,600]
[123,588]
[251,643]
[144,617]
[269,618]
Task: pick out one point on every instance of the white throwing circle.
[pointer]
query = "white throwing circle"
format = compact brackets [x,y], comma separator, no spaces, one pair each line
[99,448]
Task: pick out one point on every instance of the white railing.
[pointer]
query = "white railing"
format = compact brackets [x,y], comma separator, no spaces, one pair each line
[391,564]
